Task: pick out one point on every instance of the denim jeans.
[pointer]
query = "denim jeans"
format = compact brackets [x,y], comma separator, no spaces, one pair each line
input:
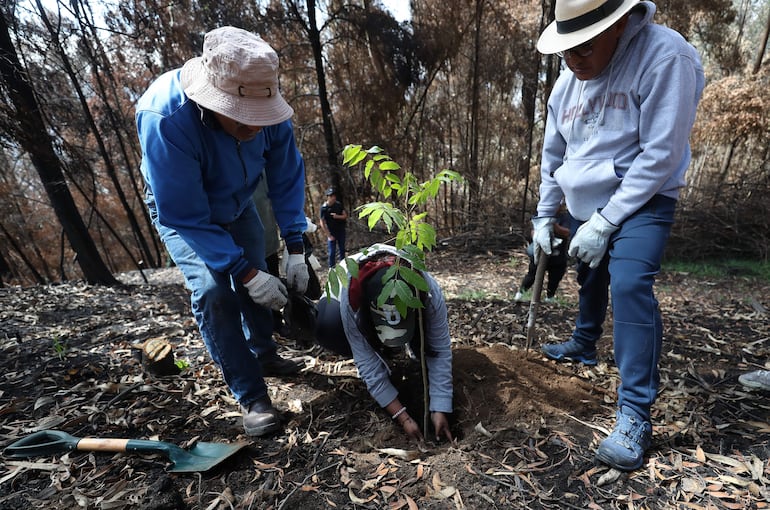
[628,270]
[339,241]
[235,330]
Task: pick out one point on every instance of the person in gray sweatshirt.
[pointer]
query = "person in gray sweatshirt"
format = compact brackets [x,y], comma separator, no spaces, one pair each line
[353,323]
[616,150]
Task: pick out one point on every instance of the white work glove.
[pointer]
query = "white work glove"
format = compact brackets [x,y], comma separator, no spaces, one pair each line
[542,237]
[267,290]
[311,227]
[591,240]
[297,275]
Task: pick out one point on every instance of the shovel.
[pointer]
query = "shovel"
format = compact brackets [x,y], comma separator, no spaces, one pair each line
[534,303]
[201,457]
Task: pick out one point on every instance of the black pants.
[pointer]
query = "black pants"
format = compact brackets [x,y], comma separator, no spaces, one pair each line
[329,332]
[556,268]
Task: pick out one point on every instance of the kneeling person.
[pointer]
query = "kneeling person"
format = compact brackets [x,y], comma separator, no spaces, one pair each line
[351,324]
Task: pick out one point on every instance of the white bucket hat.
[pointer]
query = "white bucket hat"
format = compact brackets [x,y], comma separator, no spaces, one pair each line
[579,21]
[237,76]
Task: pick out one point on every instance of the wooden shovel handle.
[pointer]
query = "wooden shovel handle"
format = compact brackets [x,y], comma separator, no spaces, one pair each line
[95,444]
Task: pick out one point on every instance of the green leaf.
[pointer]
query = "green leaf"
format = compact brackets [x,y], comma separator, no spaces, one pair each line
[352,267]
[433,187]
[368,168]
[374,150]
[413,278]
[374,217]
[389,165]
[350,152]
[332,284]
[426,235]
[406,295]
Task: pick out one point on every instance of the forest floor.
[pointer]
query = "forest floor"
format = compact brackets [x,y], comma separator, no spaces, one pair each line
[525,427]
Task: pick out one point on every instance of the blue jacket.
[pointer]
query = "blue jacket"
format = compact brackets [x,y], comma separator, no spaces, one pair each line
[199,178]
[614,141]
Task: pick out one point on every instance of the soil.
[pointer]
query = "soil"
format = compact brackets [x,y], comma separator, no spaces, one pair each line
[525,428]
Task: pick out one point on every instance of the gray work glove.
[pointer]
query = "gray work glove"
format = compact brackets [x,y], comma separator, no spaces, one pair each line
[297,275]
[542,237]
[267,290]
[591,240]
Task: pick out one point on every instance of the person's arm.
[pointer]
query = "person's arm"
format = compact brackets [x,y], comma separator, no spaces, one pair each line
[439,345]
[400,414]
[554,147]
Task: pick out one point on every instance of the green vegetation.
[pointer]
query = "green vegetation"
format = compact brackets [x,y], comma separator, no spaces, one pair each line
[474,295]
[721,268]
[402,212]
[60,346]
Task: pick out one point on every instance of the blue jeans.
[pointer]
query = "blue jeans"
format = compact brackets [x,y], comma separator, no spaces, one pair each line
[235,330]
[331,246]
[628,270]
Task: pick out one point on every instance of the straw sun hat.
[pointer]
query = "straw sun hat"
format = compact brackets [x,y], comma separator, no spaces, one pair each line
[237,76]
[579,21]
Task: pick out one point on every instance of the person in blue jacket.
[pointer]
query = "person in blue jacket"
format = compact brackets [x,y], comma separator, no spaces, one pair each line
[351,323]
[209,132]
[616,149]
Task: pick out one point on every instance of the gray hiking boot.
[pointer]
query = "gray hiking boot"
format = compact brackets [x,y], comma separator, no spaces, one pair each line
[570,350]
[624,448]
[757,380]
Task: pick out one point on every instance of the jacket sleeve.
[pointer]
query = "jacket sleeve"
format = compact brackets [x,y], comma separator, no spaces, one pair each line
[285,172]
[372,369]
[554,147]
[439,357]
[171,166]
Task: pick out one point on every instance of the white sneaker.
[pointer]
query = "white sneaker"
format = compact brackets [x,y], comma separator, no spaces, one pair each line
[518,297]
[758,379]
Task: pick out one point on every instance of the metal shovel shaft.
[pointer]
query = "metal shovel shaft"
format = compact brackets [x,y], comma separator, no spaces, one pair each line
[534,303]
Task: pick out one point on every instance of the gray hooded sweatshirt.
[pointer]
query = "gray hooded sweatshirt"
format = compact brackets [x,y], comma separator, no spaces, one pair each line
[615,141]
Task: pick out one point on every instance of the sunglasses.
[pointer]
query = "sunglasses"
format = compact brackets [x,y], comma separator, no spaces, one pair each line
[584,50]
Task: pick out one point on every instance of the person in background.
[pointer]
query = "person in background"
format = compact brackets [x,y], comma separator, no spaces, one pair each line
[352,324]
[616,150]
[333,222]
[557,260]
[272,243]
[209,132]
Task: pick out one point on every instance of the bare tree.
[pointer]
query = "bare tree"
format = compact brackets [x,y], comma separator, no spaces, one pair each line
[32,136]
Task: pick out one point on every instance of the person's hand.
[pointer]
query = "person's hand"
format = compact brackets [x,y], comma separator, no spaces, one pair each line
[591,240]
[542,235]
[297,275]
[410,427]
[330,237]
[440,425]
[267,290]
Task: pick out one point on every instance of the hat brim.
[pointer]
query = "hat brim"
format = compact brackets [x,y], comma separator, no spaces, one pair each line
[251,111]
[551,41]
